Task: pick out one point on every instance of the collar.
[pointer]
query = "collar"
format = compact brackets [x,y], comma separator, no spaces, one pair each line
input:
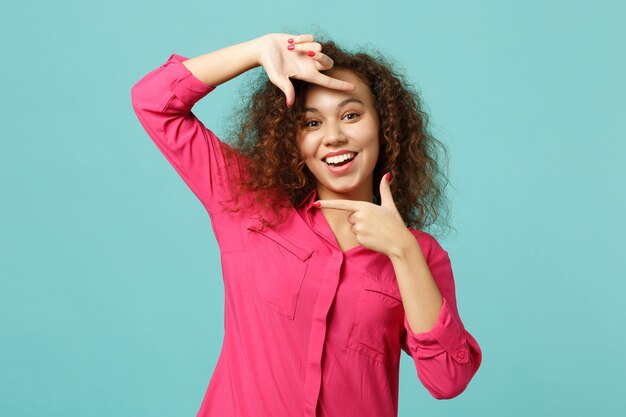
[307,202]
[306,209]
[315,218]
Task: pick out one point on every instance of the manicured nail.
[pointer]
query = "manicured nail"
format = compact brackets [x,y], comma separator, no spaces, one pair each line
[291,47]
[290,40]
[387,176]
[287,102]
[316,204]
[310,53]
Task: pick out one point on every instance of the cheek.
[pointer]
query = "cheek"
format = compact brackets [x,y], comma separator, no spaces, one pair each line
[302,148]
[308,147]
[374,157]
[373,145]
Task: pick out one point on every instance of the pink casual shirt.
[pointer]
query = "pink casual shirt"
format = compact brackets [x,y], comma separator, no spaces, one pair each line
[309,330]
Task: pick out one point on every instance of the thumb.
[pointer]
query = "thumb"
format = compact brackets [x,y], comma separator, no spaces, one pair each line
[286,87]
[386,198]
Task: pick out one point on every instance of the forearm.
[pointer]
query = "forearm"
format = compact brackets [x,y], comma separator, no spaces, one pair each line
[420,295]
[224,64]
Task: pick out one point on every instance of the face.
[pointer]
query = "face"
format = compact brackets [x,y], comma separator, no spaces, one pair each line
[340,121]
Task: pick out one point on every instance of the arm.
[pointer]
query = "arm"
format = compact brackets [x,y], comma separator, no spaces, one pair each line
[446,356]
[421,297]
[219,66]
[162,101]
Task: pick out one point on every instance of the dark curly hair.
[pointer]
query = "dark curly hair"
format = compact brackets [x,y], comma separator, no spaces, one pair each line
[265,132]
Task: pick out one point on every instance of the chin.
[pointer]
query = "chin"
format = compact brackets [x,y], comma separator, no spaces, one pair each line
[342,190]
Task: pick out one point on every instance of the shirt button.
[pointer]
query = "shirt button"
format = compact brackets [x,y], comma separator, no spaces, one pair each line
[460,355]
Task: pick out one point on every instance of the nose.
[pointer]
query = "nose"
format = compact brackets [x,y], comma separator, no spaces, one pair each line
[333,134]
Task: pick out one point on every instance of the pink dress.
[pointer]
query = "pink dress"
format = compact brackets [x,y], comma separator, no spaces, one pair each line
[309,330]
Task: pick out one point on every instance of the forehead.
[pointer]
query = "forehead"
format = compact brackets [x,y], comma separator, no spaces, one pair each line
[317,95]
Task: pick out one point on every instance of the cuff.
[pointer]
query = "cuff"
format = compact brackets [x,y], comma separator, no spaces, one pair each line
[447,335]
[183,83]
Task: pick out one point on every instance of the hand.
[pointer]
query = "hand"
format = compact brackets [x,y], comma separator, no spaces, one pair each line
[379,228]
[280,63]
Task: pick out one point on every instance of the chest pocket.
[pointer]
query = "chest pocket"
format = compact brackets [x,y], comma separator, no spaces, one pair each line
[378,324]
[278,268]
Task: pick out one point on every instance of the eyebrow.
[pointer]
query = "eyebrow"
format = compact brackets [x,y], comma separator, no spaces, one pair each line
[343,103]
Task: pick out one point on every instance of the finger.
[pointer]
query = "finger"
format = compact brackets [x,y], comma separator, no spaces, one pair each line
[290,93]
[386,198]
[286,87]
[307,37]
[322,61]
[350,205]
[306,46]
[334,83]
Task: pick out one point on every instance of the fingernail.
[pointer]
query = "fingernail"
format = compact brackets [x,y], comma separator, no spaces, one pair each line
[290,40]
[291,47]
[310,53]
[287,102]
[387,176]
[316,204]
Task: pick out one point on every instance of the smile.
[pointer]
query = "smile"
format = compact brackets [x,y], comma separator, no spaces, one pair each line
[341,167]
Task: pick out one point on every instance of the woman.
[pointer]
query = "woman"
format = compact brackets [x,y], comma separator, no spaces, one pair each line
[327,275]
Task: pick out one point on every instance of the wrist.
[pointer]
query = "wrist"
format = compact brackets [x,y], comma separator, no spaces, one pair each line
[404,246]
[256,47]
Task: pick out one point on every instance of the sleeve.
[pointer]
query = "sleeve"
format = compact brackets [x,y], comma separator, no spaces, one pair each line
[447,356]
[162,101]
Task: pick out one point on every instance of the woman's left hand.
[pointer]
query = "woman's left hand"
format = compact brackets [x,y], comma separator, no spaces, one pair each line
[379,228]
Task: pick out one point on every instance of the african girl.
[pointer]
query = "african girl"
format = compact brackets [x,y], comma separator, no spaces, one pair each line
[318,208]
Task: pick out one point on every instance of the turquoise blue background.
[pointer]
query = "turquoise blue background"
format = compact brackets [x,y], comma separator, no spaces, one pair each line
[111,296]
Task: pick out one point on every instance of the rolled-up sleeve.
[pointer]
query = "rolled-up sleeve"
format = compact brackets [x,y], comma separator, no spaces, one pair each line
[162,101]
[447,356]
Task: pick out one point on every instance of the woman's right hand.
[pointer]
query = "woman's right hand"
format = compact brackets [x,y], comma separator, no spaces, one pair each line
[281,63]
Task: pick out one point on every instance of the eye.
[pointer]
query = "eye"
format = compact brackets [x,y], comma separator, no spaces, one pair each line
[352,114]
[308,123]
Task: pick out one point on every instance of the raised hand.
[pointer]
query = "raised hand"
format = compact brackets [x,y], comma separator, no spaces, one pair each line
[303,61]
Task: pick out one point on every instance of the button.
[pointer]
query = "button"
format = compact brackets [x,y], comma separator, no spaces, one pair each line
[460,355]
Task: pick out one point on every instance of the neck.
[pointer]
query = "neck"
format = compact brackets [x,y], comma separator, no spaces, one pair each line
[339,218]
[357,195]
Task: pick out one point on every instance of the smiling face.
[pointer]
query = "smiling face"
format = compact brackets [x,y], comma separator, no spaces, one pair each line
[345,122]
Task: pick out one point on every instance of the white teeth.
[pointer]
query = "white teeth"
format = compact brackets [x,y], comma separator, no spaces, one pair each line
[340,158]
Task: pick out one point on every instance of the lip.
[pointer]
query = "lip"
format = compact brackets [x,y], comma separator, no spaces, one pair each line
[338,153]
[343,168]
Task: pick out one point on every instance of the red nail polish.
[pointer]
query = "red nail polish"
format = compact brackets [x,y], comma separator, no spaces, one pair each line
[316,204]
[387,176]
[290,40]
[310,53]
[291,47]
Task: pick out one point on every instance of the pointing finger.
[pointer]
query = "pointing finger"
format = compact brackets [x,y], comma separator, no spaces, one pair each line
[350,205]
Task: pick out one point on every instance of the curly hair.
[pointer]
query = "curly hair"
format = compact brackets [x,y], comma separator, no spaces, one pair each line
[266,133]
